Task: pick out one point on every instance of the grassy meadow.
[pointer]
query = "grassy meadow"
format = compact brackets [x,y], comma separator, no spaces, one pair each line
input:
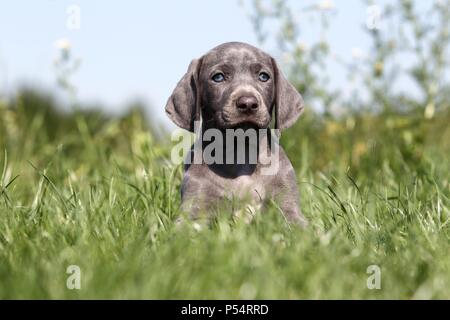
[80,188]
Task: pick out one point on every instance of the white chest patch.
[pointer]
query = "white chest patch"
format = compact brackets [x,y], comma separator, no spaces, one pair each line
[248,193]
[245,187]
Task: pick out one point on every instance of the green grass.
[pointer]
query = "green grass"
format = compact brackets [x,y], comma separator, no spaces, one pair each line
[83,189]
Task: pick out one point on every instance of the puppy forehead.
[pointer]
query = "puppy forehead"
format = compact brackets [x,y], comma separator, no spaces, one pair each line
[236,55]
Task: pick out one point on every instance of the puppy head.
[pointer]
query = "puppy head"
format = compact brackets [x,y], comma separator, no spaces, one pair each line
[234,85]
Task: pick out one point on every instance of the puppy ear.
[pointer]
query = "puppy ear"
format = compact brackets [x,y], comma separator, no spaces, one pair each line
[288,101]
[183,106]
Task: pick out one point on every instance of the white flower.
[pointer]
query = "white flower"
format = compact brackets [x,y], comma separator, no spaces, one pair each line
[197,226]
[63,44]
[302,46]
[325,5]
[357,53]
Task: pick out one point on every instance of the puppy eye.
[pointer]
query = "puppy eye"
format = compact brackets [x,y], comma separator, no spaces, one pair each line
[218,77]
[264,77]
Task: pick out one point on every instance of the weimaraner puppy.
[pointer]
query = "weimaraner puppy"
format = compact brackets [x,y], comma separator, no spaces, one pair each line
[237,86]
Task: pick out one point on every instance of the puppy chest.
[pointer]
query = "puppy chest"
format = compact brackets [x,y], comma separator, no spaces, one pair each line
[246,188]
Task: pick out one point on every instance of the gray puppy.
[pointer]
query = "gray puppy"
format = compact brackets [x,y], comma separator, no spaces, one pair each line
[237,86]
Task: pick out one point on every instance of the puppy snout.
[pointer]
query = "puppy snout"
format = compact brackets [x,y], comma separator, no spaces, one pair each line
[247,104]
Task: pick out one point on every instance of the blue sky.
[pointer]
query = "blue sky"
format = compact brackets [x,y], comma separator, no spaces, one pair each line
[138,49]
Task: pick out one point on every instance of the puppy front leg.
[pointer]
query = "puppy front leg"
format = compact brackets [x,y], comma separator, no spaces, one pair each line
[293,214]
[286,195]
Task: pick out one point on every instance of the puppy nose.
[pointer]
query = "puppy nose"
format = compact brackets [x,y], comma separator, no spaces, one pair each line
[247,104]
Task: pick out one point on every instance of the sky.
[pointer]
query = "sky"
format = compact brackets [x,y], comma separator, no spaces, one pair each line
[138,49]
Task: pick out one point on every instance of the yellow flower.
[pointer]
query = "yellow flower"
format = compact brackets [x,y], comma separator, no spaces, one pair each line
[359,149]
[325,5]
[63,44]
[378,68]
[333,128]
[429,110]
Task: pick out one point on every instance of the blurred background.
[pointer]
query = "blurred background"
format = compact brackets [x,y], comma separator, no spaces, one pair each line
[341,54]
